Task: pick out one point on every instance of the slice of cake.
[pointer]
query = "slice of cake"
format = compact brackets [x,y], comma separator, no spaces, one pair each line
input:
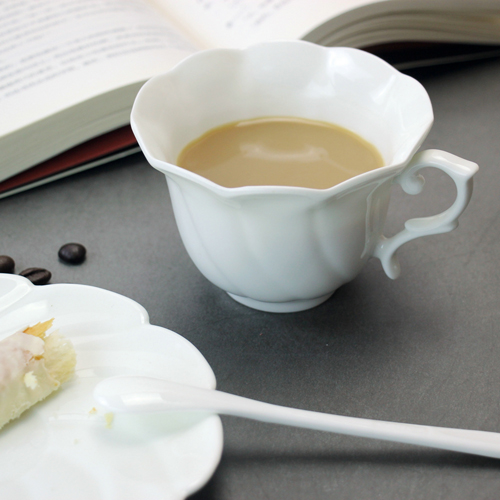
[32,365]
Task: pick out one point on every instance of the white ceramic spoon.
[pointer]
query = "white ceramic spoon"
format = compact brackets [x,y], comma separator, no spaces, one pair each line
[144,394]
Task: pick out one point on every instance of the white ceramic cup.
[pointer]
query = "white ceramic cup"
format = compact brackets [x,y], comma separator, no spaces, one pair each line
[278,248]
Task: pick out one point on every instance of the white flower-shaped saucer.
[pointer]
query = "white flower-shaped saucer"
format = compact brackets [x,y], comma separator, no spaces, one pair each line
[67,447]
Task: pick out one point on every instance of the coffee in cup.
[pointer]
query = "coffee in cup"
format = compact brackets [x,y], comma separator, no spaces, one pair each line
[279,151]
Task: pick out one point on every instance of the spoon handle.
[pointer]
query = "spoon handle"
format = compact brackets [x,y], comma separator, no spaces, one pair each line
[144,394]
[462,440]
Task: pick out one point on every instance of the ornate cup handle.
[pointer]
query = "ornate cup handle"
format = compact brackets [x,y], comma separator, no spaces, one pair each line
[460,170]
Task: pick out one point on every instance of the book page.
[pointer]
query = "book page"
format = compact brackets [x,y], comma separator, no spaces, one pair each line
[238,23]
[56,53]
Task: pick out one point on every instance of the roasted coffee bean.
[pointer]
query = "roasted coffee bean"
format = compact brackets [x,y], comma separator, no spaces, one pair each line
[7,264]
[37,275]
[72,253]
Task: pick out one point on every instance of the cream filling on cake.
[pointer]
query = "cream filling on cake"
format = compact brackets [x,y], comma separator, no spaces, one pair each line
[32,366]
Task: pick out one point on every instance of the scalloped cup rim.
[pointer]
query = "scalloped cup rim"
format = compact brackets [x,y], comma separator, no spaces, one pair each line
[235,192]
[228,192]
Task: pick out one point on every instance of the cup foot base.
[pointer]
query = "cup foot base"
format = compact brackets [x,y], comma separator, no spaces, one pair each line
[281,307]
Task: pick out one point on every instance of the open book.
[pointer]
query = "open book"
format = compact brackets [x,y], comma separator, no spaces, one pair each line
[70,70]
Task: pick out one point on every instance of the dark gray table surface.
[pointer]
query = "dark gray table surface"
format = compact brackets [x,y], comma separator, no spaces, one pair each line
[422,349]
